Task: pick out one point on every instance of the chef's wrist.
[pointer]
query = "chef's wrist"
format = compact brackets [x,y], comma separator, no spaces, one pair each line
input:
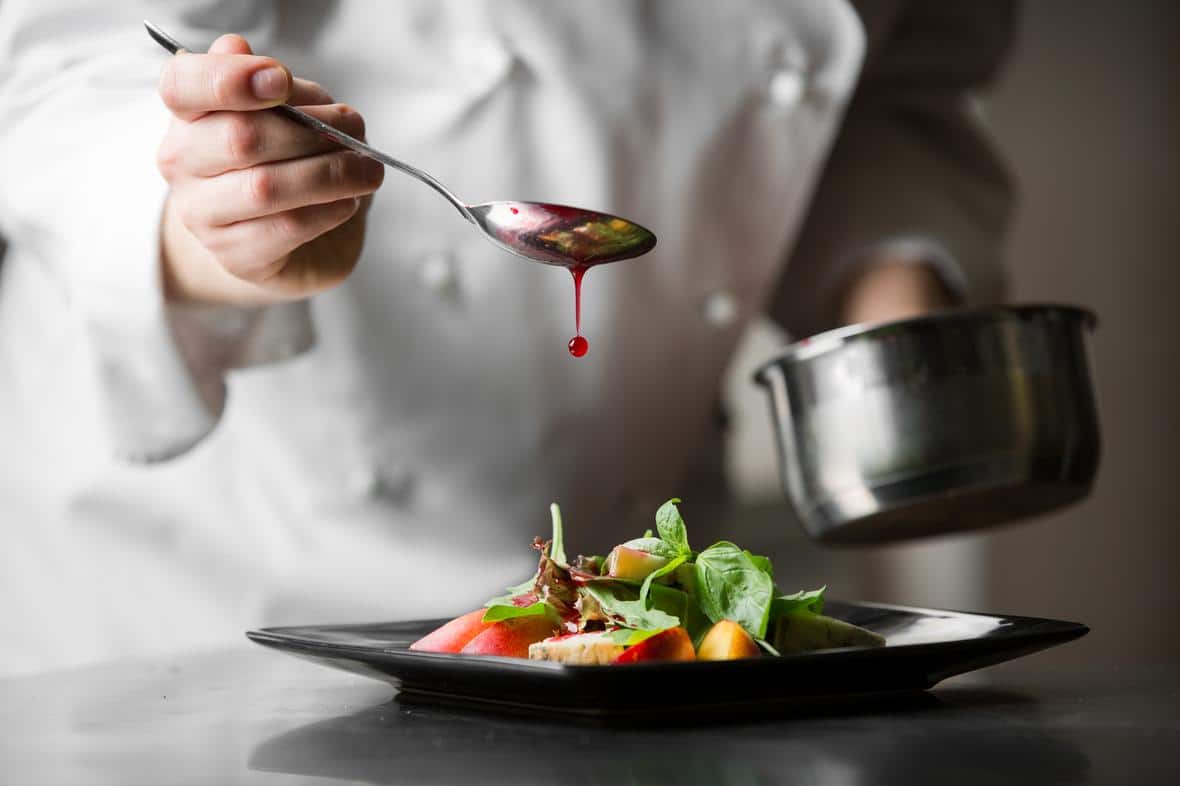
[892,287]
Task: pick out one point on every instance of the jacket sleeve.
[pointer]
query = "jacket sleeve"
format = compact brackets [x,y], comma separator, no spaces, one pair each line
[80,196]
[911,173]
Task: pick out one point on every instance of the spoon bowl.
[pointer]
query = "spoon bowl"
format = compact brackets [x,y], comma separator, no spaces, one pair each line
[561,235]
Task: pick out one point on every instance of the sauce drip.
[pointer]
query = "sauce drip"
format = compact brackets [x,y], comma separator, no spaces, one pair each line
[569,237]
[579,346]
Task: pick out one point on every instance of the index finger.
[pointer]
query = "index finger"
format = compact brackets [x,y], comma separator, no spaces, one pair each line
[193,84]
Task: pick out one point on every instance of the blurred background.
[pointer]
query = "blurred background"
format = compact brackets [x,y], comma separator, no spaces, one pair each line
[1086,114]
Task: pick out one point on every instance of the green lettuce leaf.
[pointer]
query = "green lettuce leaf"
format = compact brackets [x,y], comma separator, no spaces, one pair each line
[501,612]
[622,602]
[629,638]
[766,645]
[557,547]
[730,586]
[811,600]
[671,527]
[681,605]
[523,588]
[654,546]
[762,563]
[645,589]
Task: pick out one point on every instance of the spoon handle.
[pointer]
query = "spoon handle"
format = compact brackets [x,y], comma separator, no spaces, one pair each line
[336,135]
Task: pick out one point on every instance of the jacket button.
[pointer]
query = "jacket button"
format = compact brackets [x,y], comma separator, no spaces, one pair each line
[720,309]
[786,88]
[394,485]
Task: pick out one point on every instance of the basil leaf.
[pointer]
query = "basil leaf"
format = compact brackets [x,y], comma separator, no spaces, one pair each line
[653,546]
[731,587]
[812,600]
[683,606]
[557,547]
[762,563]
[671,527]
[622,602]
[629,638]
[501,612]
[645,590]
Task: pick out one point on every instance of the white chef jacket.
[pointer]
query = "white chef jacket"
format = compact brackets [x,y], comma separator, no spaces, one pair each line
[170,476]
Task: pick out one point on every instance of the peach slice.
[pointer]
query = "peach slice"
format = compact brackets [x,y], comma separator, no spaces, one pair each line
[511,638]
[624,562]
[454,635]
[670,644]
[727,641]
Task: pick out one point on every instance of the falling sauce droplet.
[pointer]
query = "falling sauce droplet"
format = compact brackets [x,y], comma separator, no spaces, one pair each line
[579,346]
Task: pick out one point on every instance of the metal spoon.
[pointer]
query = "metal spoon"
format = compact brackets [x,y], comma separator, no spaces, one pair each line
[553,234]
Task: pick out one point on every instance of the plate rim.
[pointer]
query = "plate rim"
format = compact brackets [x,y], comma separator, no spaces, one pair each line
[1061,631]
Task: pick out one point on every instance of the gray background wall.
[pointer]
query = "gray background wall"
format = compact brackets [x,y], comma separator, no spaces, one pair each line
[1089,116]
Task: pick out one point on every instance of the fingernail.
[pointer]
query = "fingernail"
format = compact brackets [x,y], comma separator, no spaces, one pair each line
[269,84]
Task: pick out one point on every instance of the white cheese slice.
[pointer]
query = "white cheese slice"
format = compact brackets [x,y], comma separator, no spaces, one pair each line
[582,649]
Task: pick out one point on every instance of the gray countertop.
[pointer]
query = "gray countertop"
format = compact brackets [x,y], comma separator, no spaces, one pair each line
[249,715]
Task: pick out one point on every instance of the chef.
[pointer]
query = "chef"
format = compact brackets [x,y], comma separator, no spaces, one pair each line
[248,378]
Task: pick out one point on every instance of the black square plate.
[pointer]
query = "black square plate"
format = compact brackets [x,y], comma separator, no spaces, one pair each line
[923,647]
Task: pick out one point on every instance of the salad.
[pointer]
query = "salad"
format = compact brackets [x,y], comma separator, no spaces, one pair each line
[651,598]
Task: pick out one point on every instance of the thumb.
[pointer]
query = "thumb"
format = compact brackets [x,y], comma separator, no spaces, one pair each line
[228,77]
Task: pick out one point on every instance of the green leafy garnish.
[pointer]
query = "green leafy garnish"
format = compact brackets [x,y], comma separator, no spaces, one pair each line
[766,645]
[762,563]
[688,589]
[730,586]
[508,612]
[811,600]
[681,605]
[654,546]
[526,587]
[556,553]
[557,545]
[645,590]
[622,602]
[629,638]
[670,525]
[523,588]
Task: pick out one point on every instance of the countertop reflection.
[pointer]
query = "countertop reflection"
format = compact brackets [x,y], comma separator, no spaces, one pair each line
[245,716]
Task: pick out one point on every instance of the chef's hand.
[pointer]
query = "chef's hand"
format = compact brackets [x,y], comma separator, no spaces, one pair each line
[260,209]
[887,289]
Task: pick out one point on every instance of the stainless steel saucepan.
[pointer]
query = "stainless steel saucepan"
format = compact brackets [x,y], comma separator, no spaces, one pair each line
[948,422]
